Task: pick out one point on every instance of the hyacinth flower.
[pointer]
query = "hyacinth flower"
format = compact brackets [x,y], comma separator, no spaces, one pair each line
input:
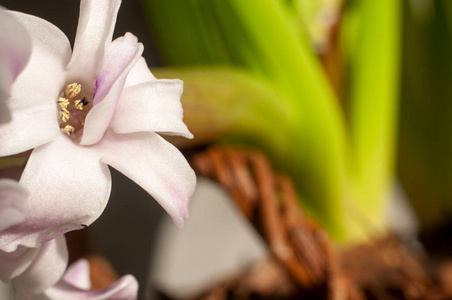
[44,279]
[328,119]
[83,110]
[40,273]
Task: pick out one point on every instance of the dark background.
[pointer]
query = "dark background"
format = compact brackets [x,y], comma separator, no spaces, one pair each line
[125,231]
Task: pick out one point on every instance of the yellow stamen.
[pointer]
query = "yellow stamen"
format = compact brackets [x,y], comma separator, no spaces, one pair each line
[63,102]
[65,115]
[69,129]
[78,104]
[72,90]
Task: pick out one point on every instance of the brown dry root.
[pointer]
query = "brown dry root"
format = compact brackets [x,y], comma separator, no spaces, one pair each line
[385,269]
[304,262]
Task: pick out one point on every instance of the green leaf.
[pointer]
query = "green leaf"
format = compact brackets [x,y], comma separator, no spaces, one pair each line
[373,104]
[181,33]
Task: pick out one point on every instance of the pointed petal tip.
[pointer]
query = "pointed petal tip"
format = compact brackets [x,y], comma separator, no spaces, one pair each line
[179,220]
[126,288]
[189,135]
[78,274]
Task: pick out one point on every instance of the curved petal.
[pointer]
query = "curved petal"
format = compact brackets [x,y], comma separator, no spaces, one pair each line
[15,263]
[36,90]
[125,288]
[15,49]
[12,203]
[120,58]
[155,165]
[78,275]
[69,189]
[151,106]
[46,270]
[140,73]
[94,33]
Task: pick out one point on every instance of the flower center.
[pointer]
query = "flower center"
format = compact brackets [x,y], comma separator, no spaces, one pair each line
[73,109]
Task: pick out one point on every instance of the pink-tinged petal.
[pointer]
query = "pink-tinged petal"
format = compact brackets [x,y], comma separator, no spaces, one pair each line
[125,288]
[78,275]
[155,165]
[151,106]
[119,59]
[12,203]
[94,34]
[15,49]
[36,90]
[12,264]
[140,73]
[68,188]
[47,268]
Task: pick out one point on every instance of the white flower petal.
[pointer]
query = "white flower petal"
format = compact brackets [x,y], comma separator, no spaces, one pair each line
[151,106]
[139,73]
[15,263]
[78,274]
[94,33]
[119,59]
[36,90]
[125,288]
[68,187]
[46,270]
[12,203]
[155,165]
[15,49]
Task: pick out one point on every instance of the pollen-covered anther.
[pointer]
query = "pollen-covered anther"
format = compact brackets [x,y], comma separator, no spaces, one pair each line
[69,129]
[79,104]
[65,115]
[63,102]
[72,90]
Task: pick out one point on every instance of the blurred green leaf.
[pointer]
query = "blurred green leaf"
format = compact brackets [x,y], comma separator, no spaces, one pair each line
[425,162]
[181,33]
[373,104]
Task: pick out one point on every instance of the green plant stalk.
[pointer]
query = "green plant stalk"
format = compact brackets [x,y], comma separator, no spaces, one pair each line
[373,106]
[292,69]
